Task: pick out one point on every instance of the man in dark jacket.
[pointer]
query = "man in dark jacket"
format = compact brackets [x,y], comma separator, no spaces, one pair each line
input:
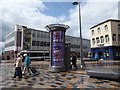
[74,61]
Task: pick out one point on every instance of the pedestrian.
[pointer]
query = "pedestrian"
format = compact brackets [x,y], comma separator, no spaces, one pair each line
[18,65]
[26,64]
[96,57]
[74,61]
[23,57]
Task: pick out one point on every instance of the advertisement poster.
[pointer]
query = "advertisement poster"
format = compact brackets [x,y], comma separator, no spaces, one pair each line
[58,48]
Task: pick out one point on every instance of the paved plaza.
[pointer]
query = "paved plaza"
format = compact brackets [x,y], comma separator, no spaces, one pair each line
[45,79]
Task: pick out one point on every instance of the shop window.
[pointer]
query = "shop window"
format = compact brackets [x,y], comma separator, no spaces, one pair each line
[107,54]
[117,54]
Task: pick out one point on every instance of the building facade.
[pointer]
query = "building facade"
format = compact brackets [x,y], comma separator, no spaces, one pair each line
[105,40]
[37,43]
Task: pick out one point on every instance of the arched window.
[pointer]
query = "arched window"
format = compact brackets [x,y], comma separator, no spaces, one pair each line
[93,41]
[98,30]
[97,40]
[92,32]
[106,27]
[114,37]
[107,38]
[101,39]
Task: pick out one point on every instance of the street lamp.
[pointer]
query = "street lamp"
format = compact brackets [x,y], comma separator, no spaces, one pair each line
[81,47]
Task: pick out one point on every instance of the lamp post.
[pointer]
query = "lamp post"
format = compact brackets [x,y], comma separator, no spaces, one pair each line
[81,47]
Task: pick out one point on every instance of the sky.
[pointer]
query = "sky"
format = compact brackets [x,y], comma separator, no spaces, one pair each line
[39,13]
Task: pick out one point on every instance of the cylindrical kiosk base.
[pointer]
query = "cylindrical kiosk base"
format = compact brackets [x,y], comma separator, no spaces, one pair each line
[57,47]
[57,69]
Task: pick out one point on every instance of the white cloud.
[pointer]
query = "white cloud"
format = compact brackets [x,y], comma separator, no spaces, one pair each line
[92,13]
[29,13]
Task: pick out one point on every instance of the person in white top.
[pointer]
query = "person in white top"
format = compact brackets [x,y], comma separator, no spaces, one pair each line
[18,65]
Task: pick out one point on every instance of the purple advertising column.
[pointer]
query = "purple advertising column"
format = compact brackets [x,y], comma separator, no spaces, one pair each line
[57,46]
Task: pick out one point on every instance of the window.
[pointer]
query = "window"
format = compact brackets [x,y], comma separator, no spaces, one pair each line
[84,47]
[106,27]
[45,35]
[118,37]
[9,44]
[101,39]
[98,30]
[34,34]
[114,37]
[33,43]
[106,38]
[118,26]
[38,34]
[97,40]
[92,32]
[93,41]
[37,42]
[41,35]
[47,43]
[41,43]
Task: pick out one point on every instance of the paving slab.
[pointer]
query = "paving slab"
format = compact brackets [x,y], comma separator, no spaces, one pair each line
[45,79]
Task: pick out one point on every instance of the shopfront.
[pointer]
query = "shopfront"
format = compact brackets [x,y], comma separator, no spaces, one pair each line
[106,53]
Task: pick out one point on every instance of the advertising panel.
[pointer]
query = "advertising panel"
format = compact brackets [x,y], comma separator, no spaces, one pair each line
[58,48]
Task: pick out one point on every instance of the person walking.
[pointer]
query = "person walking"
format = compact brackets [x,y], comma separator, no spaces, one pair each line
[74,61]
[18,65]
[26,64]
[96,57]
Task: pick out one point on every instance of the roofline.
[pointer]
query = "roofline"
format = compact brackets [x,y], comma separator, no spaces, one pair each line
[106,21]
[76,37]
[38,30]
[45,32]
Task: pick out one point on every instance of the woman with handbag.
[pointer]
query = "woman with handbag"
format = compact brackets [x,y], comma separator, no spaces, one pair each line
[18,65]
